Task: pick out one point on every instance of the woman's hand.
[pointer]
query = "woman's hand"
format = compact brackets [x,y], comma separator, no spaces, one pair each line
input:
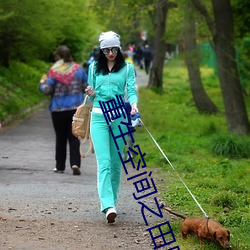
[90,91]
[134,109]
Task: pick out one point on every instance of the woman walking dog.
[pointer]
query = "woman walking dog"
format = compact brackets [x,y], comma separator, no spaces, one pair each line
[109,76]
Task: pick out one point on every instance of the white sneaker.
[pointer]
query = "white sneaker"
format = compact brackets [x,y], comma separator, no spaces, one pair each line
[111,214]
[76,170]
[128,156]
[58,171]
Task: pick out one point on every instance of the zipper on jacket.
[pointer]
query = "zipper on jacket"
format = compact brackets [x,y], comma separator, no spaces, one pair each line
[109,94]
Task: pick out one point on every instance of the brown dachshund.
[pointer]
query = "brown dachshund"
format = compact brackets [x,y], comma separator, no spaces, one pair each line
[204,228]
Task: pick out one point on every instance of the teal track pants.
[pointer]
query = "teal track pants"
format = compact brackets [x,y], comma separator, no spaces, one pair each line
[108,160]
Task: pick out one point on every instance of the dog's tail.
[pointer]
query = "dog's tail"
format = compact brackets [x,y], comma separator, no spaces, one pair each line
[175,213]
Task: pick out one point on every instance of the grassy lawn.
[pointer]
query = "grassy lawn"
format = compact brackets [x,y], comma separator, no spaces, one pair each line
[214,165]
[19,88]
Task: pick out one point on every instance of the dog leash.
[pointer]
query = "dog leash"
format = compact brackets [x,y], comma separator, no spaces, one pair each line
[175,170]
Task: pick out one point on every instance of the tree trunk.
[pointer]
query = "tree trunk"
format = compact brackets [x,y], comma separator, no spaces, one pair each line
[159,46]
[223,38]
[201,99]
[235,109]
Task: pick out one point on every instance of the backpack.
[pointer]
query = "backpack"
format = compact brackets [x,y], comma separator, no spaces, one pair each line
[81,125]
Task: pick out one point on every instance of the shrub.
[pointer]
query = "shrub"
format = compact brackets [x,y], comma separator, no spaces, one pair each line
[223,200]
[231,146]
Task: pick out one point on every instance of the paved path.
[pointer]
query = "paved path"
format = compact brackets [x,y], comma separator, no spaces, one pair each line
[141,78]
[30,190]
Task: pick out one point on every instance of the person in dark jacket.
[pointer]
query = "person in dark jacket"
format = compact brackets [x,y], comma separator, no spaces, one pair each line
[147,54]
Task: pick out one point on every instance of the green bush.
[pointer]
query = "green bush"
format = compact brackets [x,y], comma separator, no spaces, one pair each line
[19,88]
[231,146]
[224,200]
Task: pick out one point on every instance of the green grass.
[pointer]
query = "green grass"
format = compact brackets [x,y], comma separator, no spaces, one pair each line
[19,88]
[214,164]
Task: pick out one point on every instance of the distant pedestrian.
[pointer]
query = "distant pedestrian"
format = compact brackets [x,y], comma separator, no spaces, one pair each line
[93,55]
[108,80]
[65,84]
[138,55]
[147,55]
[128,59]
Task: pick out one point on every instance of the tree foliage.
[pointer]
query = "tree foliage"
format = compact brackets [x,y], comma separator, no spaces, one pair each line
[241,18]
[242,35]
[28,33]
[126,17]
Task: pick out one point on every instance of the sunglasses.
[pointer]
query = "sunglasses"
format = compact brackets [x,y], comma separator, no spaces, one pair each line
[106,51]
